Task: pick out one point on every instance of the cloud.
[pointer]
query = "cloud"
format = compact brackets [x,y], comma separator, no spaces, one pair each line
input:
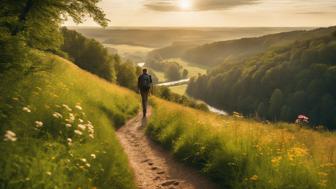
[198,5]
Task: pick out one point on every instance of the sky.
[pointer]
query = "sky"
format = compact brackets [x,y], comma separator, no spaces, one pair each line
[218,13]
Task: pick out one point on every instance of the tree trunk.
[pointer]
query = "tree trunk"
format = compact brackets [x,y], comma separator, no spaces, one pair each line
[23,17]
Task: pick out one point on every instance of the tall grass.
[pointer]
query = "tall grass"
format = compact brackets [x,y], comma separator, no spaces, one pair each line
[57,128]
[240,153]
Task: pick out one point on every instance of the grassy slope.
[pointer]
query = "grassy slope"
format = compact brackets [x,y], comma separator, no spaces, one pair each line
[180,89]
[41,156]
[241,153]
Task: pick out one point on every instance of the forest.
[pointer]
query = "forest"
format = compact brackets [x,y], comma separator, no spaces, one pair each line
[277,85]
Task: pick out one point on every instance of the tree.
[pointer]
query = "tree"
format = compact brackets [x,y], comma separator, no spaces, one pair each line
[276,101]
[185,73]
[37,22]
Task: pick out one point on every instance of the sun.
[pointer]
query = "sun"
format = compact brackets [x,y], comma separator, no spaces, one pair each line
[185,4]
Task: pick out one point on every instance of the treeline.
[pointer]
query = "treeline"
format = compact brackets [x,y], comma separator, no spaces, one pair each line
[172,69]
[92,56]
[277,85]
[214,54]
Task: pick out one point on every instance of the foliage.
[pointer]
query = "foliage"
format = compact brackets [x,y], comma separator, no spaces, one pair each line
[239,153]
[172,69]
[38,21]
[92,56]
[57,128]
[165,93]
[279,84]
[216,53]
[89,54]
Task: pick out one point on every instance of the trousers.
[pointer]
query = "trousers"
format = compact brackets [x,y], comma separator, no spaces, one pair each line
[144,99]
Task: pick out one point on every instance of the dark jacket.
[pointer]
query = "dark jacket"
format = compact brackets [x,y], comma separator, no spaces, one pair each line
[140,81]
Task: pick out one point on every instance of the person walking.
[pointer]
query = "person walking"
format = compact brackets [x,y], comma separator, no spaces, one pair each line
[144,86]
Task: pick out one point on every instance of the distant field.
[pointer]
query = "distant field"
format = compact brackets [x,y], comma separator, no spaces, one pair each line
[192,69]
[131,52]
[160,75]
[181,89]
[161,37]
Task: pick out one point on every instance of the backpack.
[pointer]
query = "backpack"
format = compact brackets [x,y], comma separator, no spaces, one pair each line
[145,82]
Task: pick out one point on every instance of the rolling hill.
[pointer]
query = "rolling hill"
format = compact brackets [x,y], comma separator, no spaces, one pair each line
[212,54]
[57,127]
[277,85]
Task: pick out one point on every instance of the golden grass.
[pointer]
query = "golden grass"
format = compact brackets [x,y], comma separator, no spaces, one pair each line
[242,153]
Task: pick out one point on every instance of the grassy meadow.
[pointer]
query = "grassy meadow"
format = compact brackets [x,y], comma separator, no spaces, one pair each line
[57,128]
[240,153]
[180,89]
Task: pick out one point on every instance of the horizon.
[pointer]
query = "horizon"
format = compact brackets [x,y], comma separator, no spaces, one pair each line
[215,13]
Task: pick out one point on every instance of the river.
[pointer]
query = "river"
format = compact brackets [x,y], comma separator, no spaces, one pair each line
[186,81]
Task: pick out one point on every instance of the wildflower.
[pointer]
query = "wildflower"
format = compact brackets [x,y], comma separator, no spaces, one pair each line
[71,118]
[78,107]
[322,174]
[68,125]
[57,115]
[15,99]
[323,183]
[88,164]
[297,152]
[38,124]
[81,127]
[48,173]
[80,120]
[83,160]
[78,132]
[69,141]
[276,161]
[10,136]
[237,115]
[91,136]
[26,109]
[93,156]
[67,107]
[254,178]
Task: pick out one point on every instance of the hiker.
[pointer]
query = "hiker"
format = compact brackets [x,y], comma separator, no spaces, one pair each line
[144,85]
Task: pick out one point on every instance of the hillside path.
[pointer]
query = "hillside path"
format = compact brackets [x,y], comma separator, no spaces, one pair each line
[155,168]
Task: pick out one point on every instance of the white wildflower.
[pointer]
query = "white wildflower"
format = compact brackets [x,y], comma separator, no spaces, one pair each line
[10,136]
[57,115]
[79,107]
[26,109]
[93,156]
[91,136]
[71,118]
[68,125]
[81,127]
[83,160]
[67,107]
[78,132]
[48,173]
[15,98]
[80,120]
[38,124]
[69,141]
[88,164]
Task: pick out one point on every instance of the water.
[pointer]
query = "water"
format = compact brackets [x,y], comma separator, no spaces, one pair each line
[174,83]
[141,64]
[184,81]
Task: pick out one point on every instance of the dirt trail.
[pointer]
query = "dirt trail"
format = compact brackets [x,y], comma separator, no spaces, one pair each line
[154,168]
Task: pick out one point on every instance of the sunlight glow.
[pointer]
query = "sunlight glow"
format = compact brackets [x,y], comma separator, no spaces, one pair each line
[185,4]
